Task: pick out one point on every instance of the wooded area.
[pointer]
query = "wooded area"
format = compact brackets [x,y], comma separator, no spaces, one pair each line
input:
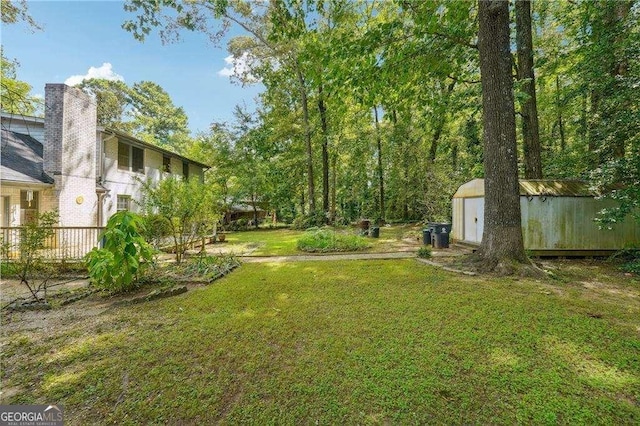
[375,108]
[372,109]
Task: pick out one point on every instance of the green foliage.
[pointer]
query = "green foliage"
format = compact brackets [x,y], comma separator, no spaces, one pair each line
[630,259]
[32,255]
[117,266]
[188,209]
[328,241]
[15,95]
[145,110]
[325,67]
[424,252]
[316,218]
[156,228]
[112,98]
[207,267]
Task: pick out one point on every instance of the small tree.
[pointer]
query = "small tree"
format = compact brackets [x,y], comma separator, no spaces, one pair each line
[30,266]
[187,206]
[124,256]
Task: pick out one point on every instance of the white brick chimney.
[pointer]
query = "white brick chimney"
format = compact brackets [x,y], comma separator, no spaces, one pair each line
[70,127]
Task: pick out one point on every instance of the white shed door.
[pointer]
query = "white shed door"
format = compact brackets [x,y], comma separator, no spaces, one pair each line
[473,219]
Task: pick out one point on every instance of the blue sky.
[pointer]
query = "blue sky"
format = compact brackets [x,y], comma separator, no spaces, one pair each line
[83,34]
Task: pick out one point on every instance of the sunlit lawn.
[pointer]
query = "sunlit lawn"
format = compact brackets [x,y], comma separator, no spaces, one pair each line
[359,342]
[282,242]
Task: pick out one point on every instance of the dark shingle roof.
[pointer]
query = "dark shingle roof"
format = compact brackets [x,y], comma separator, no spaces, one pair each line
[21,159]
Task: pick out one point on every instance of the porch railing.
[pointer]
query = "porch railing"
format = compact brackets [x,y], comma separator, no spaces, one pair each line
[69,243]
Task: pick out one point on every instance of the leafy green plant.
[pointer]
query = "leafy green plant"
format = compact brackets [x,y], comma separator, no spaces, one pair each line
[125,254]
[316,218]
[156,229]
[326,240]
[187,207]
[424,252]
[29,267]
[630,258]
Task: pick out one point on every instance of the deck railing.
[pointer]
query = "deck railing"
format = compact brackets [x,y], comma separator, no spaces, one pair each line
[69,243]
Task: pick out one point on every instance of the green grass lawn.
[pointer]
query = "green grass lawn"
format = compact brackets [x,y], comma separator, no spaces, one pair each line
[276,242]
[283,242]
[352,342]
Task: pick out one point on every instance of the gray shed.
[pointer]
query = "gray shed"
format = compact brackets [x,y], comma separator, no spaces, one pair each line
[557,219]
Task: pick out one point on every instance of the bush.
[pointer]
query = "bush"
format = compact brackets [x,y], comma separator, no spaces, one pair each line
[316,218]
[424,252]
[326,241]
[118,265]
[156,228]
[630,259]
[30,267]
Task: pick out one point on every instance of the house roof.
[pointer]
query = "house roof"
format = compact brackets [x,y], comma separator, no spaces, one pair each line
[533,187]
[148,145]
[21,159]
[243,208]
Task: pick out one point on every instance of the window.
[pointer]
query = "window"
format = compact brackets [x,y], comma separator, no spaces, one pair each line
[130,158]
[124,156]
[124,203]
[166,164]
[137,159]
[29,206]
[185,169]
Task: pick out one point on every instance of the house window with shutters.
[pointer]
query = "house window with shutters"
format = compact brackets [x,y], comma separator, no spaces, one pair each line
[130,158]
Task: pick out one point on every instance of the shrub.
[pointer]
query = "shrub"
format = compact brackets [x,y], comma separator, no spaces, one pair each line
[31,262]
[316,218]
[118,265]
[326,240]
[630,258]
[187,206]
[156,228]
[424,252]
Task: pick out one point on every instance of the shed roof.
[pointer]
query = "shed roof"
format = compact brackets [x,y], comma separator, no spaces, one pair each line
[533,187]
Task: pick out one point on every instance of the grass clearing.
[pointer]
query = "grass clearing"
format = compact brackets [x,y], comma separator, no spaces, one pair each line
[283,242]
[365,342]
[330,241]
[277,242]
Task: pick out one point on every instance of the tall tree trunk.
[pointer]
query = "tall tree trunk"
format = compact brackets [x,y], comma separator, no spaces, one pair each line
[502,241]
[529,111]
[334,183]
[380,171]
[563,142]
[303,204]
[307,136]
[325,151]
[442,119]
[405,162]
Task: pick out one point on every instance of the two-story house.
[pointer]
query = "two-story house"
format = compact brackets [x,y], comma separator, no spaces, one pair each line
[64,161]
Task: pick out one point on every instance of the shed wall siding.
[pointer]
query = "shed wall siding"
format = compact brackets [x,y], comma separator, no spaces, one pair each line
[457,223]
[567,223]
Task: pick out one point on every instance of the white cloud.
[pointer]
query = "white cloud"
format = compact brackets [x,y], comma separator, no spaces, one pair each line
[105,72]
[238,67]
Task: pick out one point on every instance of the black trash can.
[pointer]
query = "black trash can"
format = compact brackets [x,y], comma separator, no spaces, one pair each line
[426,236]
[440,235]
[375,232]
[440,241]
